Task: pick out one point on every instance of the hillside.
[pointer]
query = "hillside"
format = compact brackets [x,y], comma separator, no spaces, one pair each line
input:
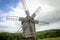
[42,35]
[48,34]
[56,38]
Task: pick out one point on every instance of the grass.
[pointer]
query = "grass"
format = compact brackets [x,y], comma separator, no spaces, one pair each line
[57,38]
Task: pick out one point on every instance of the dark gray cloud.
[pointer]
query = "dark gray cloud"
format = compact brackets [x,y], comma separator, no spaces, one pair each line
[54,2]
[52,16]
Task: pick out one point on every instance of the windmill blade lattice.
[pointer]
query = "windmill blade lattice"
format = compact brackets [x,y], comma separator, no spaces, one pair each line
[36,12]
[14,18]
[43,23]
[25,7]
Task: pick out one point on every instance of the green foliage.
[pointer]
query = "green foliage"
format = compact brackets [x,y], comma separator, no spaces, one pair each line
[6,36]
[10,36]
[54,38]
[48,34]
[39,35]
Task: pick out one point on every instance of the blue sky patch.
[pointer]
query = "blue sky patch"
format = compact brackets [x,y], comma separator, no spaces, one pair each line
[6,4]
[1,19]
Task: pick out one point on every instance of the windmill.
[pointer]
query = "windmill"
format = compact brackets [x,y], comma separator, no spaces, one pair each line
[28,23]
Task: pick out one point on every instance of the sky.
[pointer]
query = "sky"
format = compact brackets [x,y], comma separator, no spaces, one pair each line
[50,12]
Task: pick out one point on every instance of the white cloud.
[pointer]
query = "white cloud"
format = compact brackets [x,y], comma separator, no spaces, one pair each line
[18,11]
[47,14]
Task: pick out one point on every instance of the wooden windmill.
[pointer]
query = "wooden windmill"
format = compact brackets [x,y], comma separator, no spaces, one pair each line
[28,23]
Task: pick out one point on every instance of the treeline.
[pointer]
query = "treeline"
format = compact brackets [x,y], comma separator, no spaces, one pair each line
[39,35]
[11,36]
[48,34]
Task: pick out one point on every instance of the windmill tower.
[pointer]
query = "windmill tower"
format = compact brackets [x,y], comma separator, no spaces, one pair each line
[28,23]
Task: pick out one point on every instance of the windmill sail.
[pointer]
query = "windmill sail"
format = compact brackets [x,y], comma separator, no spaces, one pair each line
[14,18]
[25,7]
[43,23]
[36,12]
